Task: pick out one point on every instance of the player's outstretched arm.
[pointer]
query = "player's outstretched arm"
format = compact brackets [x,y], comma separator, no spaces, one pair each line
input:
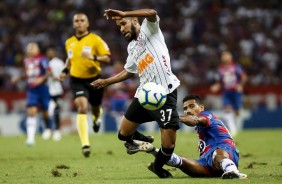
[150,14]
[100,83]
[192,120]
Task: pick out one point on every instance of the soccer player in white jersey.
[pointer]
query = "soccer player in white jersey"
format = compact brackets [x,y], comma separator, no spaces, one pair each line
[56,92]
[149,57]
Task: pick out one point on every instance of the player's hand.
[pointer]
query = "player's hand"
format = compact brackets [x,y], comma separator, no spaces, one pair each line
[182,118]
[99,83]
[15,79]
[39,81]
[63,76]
[215,88]
[87,55]
[114,14]
[239,88]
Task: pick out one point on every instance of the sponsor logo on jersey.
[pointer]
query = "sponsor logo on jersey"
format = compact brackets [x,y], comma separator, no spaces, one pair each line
[144,63]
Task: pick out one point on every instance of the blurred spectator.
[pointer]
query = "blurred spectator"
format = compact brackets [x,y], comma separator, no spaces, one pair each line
[196,32]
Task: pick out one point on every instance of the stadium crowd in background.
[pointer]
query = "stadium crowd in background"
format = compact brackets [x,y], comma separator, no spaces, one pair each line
[250,29]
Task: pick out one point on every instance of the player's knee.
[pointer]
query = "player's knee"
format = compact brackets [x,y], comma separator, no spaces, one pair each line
[217,156]
[82,110]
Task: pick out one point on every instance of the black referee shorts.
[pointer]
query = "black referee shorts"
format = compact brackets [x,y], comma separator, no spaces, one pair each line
[82,87]
[167,116]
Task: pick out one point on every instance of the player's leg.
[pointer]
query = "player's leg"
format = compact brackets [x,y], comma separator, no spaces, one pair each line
[127,129]
[237,106]
[222,161]
[56,116]
[228,113]
[192,168]
[186,165]
[81,104]
[97,113]
[47,121]
[134,116]
[168,138]
[31,120]
[168,120]
[81,95]
[31,124]
[95,99]
[44,101]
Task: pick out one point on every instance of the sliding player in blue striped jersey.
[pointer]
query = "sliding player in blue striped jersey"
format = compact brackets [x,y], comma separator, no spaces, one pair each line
[218,153]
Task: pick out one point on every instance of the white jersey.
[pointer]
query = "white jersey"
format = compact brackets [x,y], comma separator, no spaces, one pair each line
[149,57]
[55,86]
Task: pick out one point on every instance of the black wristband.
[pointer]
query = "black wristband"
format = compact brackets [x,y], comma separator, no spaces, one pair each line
[66,70]
[95,58]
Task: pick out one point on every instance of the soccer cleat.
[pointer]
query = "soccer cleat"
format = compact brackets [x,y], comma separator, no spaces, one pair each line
[30,142]
[162,173]
[46,134]
[137,146]
[97,125]
[233,175]
[57,135]
[86,151]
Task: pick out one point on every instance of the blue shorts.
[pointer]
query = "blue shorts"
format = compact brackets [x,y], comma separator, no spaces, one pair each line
[233,98]
[206,159]
[38,96]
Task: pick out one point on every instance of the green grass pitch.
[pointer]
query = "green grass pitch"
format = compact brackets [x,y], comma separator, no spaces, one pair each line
[63,162]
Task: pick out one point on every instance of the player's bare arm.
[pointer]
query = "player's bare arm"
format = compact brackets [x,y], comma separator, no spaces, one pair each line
[100,83]
[150,14]
[15,79]
[192,120]
[215,87]
[43,78]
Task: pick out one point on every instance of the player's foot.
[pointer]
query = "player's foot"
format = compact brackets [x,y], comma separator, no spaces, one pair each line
[161,173]
[57,135]
[86,151]
[138,146]
[46,134]
[30,142]
[97,125]
[233,175]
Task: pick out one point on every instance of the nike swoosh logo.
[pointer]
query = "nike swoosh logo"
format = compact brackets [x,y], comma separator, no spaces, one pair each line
[166,123]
